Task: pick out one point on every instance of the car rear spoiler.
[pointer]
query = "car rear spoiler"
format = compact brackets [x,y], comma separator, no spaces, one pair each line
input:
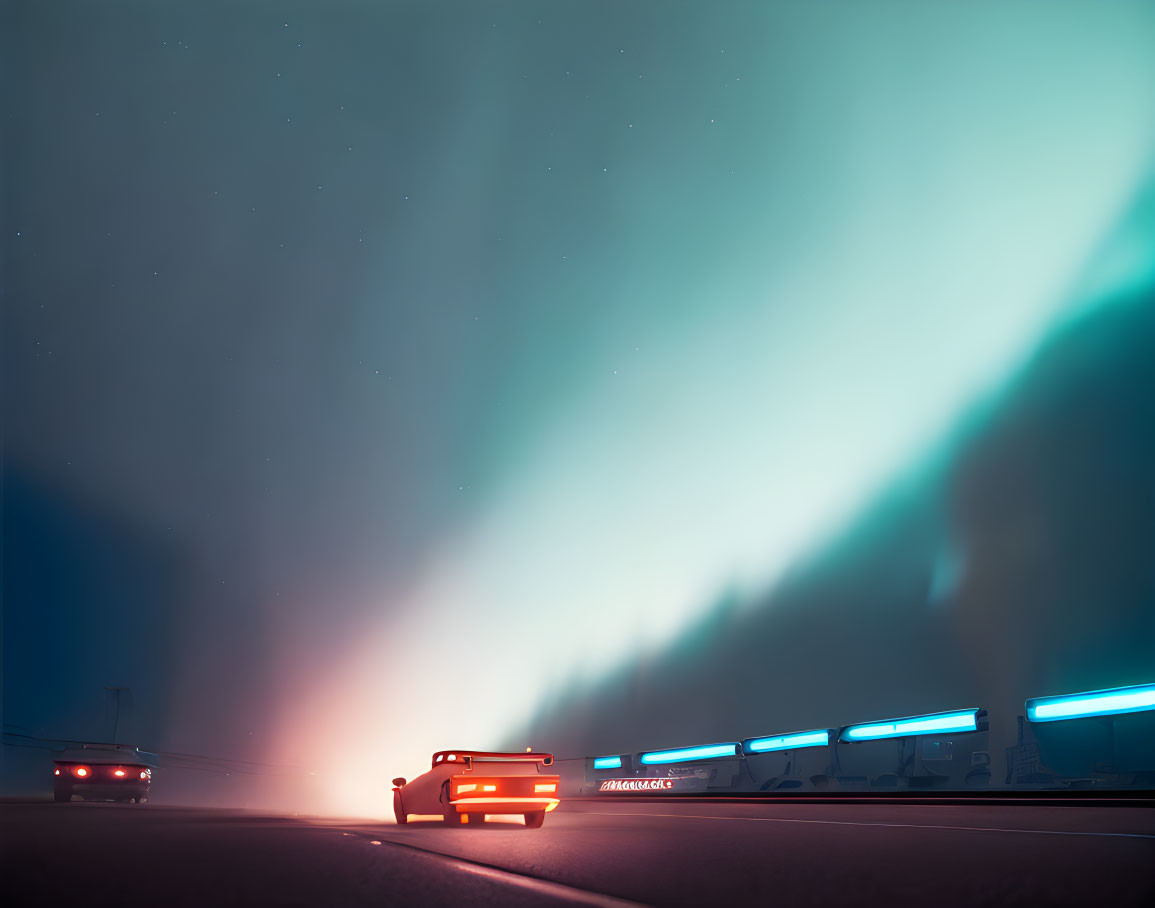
[489,756]
[106,754]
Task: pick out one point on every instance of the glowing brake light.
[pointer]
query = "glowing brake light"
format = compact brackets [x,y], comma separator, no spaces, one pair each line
[81,771]
[489,788]
[469,786]
[545,786]
[119,773]
[143,775]
[56,772]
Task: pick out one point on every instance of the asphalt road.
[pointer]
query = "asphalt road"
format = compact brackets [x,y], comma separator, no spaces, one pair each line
[596,853]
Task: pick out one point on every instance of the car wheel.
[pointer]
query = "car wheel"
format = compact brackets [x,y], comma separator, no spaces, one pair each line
[448,811]
[402,819]
[535,819]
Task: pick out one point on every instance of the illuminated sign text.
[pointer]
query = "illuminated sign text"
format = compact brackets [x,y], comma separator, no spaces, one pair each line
[636,785]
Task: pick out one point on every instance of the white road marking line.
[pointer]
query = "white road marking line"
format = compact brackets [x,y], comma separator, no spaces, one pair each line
[691,816]
[540,887]
[533,884]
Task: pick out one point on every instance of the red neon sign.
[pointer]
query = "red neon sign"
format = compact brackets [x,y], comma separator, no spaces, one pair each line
[636,785]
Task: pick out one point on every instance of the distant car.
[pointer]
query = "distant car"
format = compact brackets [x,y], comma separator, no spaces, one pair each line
[465,785]
[103,773]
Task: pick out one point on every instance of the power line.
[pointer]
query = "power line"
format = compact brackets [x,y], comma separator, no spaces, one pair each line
[169,759]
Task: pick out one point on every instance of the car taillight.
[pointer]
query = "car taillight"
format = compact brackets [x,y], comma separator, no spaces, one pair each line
[470,786]
[119,773]
[81,772]
[56,772]
[489,788]
[143,774]
[545,786]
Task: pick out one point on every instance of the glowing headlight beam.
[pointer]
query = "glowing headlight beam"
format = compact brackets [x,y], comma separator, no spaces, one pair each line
[1092,703]
[607,762]
[788,742]
[934,724]
[687,754]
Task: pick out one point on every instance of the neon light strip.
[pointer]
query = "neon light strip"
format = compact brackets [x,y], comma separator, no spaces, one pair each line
[685,754]
[607,762]
[1092,703]
[789,742]
[939,723]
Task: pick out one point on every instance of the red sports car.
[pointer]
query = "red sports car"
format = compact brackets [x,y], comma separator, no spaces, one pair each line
[464,785]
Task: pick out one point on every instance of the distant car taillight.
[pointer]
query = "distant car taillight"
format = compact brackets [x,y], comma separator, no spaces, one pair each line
[143,774]
[489,788]
[545,786]
[466,787]
[81,772]
[56,772]
[119,773]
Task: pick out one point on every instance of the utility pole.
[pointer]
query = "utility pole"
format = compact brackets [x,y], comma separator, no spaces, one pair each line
[116,724]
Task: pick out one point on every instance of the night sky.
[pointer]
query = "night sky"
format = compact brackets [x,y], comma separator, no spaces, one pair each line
[374,370]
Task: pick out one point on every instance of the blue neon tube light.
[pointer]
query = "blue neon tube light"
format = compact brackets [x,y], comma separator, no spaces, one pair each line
[1092,703]
[934,724]
[607,762]
[686,754]
[789,742]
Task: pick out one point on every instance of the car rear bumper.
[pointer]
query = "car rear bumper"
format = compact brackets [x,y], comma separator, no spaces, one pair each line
[107,790]
[503,805]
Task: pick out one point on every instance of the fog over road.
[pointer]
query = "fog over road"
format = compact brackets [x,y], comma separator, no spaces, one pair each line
[588,852]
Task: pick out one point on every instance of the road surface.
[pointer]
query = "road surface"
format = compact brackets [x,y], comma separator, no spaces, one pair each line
[588,852]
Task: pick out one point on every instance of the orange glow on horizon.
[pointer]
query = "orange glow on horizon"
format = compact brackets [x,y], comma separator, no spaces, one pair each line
[400,739]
